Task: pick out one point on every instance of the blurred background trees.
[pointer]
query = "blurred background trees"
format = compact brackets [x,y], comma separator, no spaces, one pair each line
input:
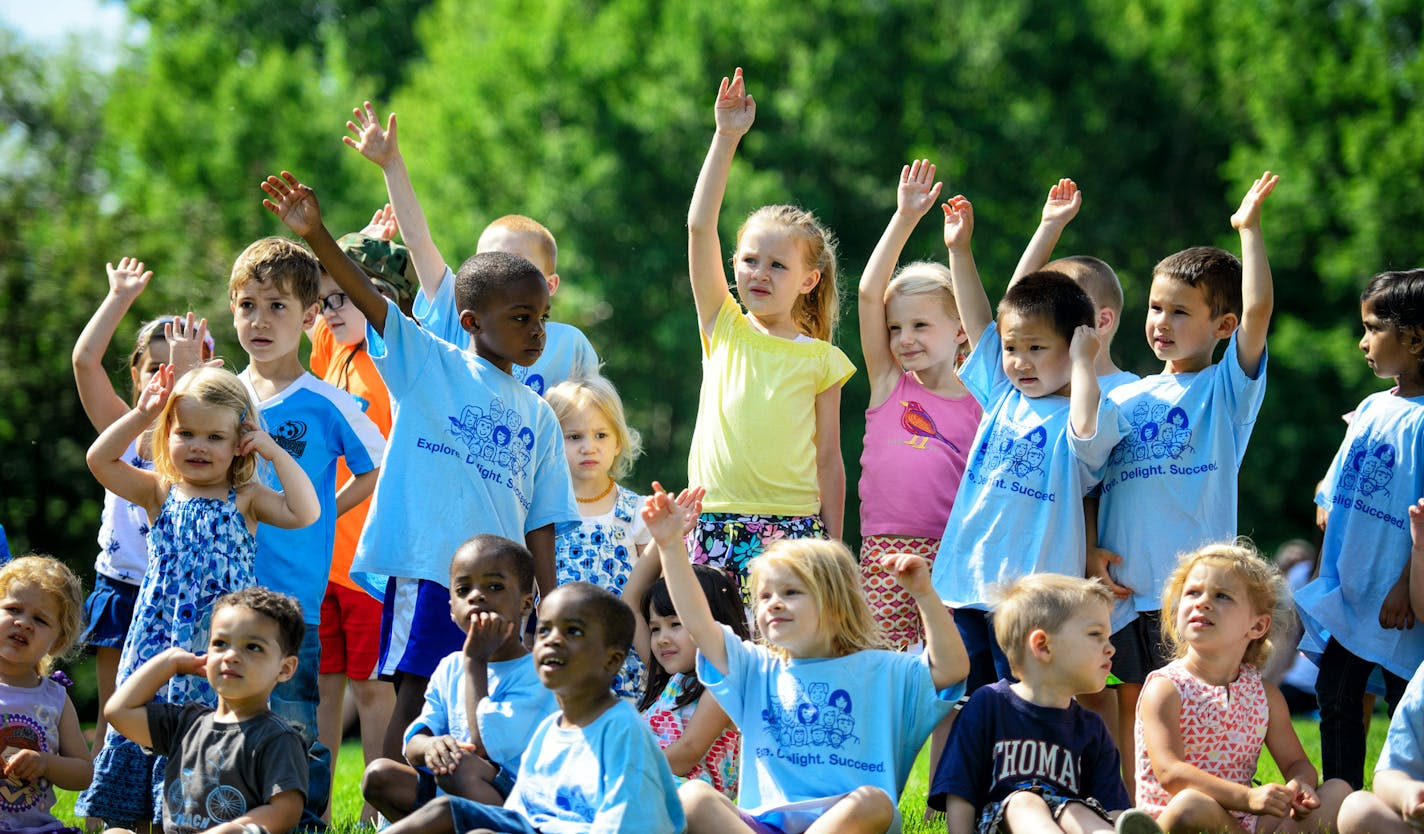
[594,117]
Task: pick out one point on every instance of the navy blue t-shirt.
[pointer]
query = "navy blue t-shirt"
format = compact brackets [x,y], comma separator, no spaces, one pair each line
[1068,751]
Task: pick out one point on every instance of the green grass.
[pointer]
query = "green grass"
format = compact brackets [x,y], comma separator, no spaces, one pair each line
[347,792]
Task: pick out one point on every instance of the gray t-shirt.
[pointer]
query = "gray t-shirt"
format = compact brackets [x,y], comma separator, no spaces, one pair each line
[218,772]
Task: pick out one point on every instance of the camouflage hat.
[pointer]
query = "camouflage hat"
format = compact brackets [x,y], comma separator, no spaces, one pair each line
[384,261]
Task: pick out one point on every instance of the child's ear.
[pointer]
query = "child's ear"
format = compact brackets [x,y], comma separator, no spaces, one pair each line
[470,321]
[1261,627]
[309,316]
[553,280]
[1226,325]
[1038,645]
[289,668]
[1107,317]
[616,656]
[812,279]
[1412,338]
[526,607]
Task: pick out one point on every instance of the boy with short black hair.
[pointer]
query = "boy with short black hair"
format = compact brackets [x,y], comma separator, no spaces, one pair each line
[592,766]
[240,764]
[483,702]
[469,443]
[1048,758]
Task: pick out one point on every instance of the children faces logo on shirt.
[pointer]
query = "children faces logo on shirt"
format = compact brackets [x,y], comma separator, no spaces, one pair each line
[816,717]
[1159,432]
[496,443]
[1012,459]
[1369,468]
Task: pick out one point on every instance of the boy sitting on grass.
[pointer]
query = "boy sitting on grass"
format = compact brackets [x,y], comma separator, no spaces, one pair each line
[239,765]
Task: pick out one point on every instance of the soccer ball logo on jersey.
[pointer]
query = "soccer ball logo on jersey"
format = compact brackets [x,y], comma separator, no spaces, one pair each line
[817,717]
[1158,433]
[1368,468]
[1018,455]
[289,436]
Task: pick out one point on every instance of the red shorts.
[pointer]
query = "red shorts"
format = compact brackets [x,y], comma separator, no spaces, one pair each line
[350,633]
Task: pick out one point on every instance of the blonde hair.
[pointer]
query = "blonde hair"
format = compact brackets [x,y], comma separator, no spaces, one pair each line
[1044,601]
[209,386]
[55,578]
[597,392]
[283,263]
[1096,278]
[833,580]
[816,311]
[1266,591]
[544,238]
[924,278]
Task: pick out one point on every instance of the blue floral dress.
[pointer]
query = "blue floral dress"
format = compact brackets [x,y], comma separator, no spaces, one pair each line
[601,550]
[198,550]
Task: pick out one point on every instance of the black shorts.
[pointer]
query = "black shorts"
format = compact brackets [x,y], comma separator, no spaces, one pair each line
[1139,648]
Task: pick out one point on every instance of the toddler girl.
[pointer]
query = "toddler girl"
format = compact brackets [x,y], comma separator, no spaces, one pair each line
[123,526]
[767,440]
[700,742]
[1202,719]
[831,726]
[41,604]
[921,418]
[204,506]
[600,448]
[1355,625]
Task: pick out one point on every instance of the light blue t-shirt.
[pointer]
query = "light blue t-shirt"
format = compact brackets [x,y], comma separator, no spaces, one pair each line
[471,451]
[507,716]
[567,352]
[609,777]
[1107,383]
[1171,484]
[1404,745]
[1377,473]
[822,727]
[1020,504]
[316,423]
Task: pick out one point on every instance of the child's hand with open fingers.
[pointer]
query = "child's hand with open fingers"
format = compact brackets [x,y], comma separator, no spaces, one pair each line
[443,755]
[1248,216]
[128,279]
[383,224]
[293,203]
[372,141]
[186,337]
[155,393]
[918,190]
[1064,200]
[958,222]
[485,633]
[689,503]
[666,519]
[911,571]
[736,109]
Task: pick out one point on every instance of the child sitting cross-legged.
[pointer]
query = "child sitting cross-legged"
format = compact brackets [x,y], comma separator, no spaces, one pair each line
[491,678]
[239,765]
[1053,766]
[592,766]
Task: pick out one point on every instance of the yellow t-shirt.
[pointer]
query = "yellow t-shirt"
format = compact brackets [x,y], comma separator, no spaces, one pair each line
[754,447]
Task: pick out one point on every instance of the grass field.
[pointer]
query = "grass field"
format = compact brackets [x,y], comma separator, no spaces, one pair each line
[347,791]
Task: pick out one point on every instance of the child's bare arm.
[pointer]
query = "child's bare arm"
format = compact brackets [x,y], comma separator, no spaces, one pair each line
[295,205]
[1403,793]
[540,542]
[735,112]
[1295,766]
[1099,558]
[1064,200]
[666,520]
[441,754]
[1084,395]
[484,634]
[69,768]
[915,196]
[103,405]
[106,456]
[707,723]
[1257,295]
[280,815]
[830,466]
[974,310]
[356,490]
[379,145]
[949,662]
[646,570]
[297,505]
[958,816]
[127,710]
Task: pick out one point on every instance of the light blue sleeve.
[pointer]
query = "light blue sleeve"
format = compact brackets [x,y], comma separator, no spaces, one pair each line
[585,361]
[1093,452]
[1242,395]
[441,695]
[983,372]
[639,795]
[439,315]
[728,689]
[511,713]
[400,354]
[1404,745]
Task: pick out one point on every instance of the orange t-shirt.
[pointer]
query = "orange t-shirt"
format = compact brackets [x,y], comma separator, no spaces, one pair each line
[350,368]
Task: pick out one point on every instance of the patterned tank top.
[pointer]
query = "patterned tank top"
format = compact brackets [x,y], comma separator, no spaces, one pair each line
[719,767]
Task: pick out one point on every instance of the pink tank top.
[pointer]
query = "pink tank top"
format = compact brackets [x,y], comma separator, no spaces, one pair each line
[1223,728]
[916,445]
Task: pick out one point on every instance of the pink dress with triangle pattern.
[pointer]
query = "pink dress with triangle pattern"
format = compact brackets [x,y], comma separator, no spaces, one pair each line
[1223,728]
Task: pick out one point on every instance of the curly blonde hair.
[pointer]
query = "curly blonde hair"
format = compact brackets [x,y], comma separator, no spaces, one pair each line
[833,580]
[210,386]
[597,392]
[1266,590]
[55,578]
[815,312]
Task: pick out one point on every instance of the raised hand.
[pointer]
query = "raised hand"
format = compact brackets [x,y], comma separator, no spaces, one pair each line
[383,224]
[128,279]
[689,502]
[372,141]
[186,337]
[1248,216]
[958,222]
[254,439]
[486,633]
[911,571]
[1064,200]
[736,109]
[155,394]
[187,663]
[1085,345]
[666,518]
[293,203]
[918,190]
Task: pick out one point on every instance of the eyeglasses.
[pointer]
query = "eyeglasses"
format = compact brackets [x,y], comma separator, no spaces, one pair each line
[335,301]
